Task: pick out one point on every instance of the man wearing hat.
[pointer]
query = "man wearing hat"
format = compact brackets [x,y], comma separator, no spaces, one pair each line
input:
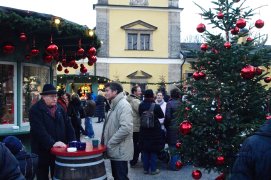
[49,127]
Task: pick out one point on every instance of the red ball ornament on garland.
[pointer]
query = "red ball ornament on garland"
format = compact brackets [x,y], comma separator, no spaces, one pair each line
[201,28]
[71,63]
[220,15]
[235,31]
[66,71]
[178,145]
[75,66]
[219,118]
[178,164]
[267,79]
[259,23]
[92,51]
[185,127]
[196,174]
[227,45]
[48,58]
[220,177]
[241,23]
[196,76]
[220,160]
[258,71]
[93,59]
[202,75]
[52,49]
[59,68]
[90,63]
[23,37]
[249,39]
[8,48]
[248,72]
[268,117]
[204,47]
[80,52]
[34,51]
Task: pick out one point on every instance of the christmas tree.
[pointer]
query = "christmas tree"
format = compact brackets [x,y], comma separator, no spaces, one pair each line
[228,96]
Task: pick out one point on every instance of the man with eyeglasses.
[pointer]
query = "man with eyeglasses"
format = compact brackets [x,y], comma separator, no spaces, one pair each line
[49,127]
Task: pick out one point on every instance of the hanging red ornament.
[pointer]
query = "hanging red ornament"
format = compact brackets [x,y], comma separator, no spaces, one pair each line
[8,48]
[258,71]
[27,57]
[178,145]
[34,51]
[241,23]
[235,30]
[80,52]
[215,51]
[220,15]
[59,67]
[178,164]
[219,118]
[220,160]
[202,75]
[23,37]
[259,23]
[267,79]
[187,108]
[196,75]
[92,51]
[196,174]
[227,45]
[249,39]
[185,127]
[82,65]
[201,28]
[71,63]
[90,63]
[75,66]
[268,117]
[66,71]
[204,46]
[83,70]
[220,177]
[248,72]
[93,59]
[52,49]
[48,58]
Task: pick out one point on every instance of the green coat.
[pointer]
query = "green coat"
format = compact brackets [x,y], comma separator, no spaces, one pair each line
[118,130]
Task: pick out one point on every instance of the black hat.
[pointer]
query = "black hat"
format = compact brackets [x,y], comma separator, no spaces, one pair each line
[13,144]
[148,93]
[48,89]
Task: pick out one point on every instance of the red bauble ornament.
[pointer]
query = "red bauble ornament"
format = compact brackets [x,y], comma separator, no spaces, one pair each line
[248,72]
[52,49]
[71,63]
[220,15]
[196,75]
[178,164]
[220,160]
[178,145]
[92,51]
[80,52]
[23,37]
[34,51]
[235,31]
[82,65]
[59,68]
[227,45]
[75,66]
[249,39]
[201,28]
[241,23]
[27,57]
[93,59]
[66,71]
[267,79]
[185,127]
[204,47]
[258,71]
[202,75]
[8,48]
[48,58]
[220,177]
[83,70]
[259,23]
[90,63]
[268,117]
[219,118]
[196,174]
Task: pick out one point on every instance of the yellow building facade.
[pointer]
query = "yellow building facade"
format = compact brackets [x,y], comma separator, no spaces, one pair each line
[140,42]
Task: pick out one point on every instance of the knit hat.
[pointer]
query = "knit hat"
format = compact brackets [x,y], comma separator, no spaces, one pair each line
[13,144]
[48,89]
[148,94]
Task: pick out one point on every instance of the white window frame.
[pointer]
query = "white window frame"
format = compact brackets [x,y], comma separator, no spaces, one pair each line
[150,33]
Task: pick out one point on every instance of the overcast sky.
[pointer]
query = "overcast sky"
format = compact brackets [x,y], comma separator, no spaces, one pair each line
[81,12]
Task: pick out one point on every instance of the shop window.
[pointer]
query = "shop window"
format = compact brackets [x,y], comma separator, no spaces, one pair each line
[34,77]
[7,97]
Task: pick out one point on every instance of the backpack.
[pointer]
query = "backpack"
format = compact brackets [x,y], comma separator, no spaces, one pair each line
[147,118]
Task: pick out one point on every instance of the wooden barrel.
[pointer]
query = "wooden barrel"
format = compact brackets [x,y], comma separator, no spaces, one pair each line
[81,167]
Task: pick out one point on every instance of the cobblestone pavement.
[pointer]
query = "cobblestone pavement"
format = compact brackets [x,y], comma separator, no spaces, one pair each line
[136,173]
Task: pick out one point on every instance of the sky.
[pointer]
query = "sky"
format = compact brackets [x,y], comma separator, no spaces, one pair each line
[81,12]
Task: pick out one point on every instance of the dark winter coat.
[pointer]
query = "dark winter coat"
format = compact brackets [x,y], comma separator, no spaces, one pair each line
[76,113]
[9,166]
[151,139]
[171,121]
[254,158]
[100,106]
[46,131]
[90,108]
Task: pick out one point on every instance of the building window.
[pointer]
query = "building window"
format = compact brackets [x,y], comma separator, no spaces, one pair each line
[34,77]
[138,41]
[7,96]
[139,2]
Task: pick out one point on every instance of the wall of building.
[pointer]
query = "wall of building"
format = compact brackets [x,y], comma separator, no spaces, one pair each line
[157,3]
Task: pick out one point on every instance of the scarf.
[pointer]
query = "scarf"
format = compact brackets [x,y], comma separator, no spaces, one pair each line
[160,103]
[52,110]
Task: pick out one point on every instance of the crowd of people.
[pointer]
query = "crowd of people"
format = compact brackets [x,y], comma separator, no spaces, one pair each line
[134,124]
